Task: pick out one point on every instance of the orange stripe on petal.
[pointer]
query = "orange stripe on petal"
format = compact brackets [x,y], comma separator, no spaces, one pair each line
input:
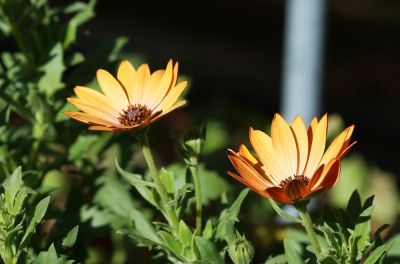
[317,147]
[284,145]
[336,146]
[126,75]
[262,144]
[332,176]
[278,194]
[296,190]
[300,134]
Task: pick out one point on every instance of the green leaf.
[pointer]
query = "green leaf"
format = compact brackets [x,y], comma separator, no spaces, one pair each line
[173,245]
[225,228]
[185,234]
[84,12]
[208,230]
[363,229]
[47,257]
[167,178]
[12,186]
[354,206]
[291,253]
[80,147]
[51,80]
[208,251]
[143,226]
[70,239]
[379,251]
[279,259]
[140,185]
[216,185]
[39,213]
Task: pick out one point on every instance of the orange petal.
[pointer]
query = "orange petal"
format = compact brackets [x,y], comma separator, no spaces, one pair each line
[248,172]
[176,106]
[171,98]
[336,146]
[112,89]
[344,152]
[317,183]
[284,145]
[317,147]
[163,85]
[316,177]
[243,151]
[95,98]
[126,75]
[278,194]
[300,134]
[154,96]
[139,84]
[95,110]
[262,144]
[89,119]
[332,176]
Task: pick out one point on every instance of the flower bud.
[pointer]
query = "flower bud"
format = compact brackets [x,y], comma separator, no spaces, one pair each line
[241,251]
[192,144]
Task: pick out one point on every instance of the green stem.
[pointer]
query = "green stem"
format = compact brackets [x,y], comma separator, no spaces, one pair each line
[283,213]
[168,210]
[308,225]
[194,169]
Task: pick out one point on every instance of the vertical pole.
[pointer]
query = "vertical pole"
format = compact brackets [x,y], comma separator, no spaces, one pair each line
[303,58]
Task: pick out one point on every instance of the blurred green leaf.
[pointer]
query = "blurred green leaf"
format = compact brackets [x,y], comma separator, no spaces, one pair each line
[216,185]
[143,226]
[70,239]
[291,253]
[208,251]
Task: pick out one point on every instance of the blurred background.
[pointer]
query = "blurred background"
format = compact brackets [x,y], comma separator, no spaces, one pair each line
[235,55]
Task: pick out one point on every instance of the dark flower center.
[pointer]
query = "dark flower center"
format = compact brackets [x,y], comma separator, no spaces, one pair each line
[301,178]
[134,115]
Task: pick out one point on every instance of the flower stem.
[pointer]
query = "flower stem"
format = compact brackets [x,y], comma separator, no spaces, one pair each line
[308,225]
[194,170]
[283,213]
[168,210]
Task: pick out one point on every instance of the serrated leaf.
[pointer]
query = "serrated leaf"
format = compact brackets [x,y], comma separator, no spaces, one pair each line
[51,80]
[70,239]
[291,253]
[228,218]
[208,251]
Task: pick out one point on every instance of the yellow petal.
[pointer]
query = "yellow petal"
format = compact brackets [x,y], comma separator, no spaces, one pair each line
[93,97]
[243,151]
[284,145]
[97,111]
[89,119]
[172,96]
[112,89]
[300,134]
[262,144]
[172,108]
[141,78]
[317,147]
[126,75]
[154,97]
[336,146]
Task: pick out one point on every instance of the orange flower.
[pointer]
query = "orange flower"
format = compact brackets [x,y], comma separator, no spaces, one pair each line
[292,164]
[133,100]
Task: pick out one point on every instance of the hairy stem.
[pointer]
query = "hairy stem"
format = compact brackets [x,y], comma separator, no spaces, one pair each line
[194,169]
[308,225]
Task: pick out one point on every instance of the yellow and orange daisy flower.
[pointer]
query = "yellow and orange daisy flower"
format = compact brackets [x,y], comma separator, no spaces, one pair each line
[133,100]
[291,165]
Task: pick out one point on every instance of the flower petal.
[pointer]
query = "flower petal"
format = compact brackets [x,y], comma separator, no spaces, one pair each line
[333,166]
[300,134]
[171,97]
[336,146]
[126,75]
[332,175]
[244,152]
[278,194]
[262,144]
[94,97]
[112,89]
[248,172]
[89,119]
[317,147]
[95,110]
[139,84]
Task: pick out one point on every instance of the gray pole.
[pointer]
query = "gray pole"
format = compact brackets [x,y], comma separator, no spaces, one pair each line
[303,58]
